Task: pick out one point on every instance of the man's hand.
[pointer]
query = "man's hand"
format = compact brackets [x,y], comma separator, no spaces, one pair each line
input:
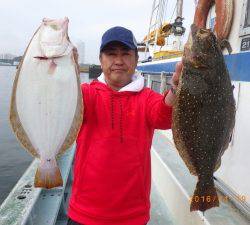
[176,75]
[170,97]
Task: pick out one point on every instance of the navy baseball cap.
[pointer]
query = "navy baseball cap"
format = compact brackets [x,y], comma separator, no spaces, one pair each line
[120,34]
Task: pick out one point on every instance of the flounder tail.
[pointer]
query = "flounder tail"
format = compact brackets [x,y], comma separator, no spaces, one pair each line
[205,195]
[48,174]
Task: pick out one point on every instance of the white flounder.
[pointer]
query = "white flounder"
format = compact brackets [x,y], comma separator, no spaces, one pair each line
[46,105]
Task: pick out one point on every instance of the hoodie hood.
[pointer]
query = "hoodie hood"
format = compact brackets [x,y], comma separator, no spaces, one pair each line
[136,85]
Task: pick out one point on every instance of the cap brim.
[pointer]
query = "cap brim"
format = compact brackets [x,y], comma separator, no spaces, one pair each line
[122,42]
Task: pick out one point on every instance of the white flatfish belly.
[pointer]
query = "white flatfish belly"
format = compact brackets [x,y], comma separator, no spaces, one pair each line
[46,103]
[47,106]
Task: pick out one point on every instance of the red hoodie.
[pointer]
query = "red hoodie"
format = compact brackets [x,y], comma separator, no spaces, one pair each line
[112,168]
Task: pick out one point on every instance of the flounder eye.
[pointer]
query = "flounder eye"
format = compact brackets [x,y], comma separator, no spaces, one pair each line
[203,33]
[54,27]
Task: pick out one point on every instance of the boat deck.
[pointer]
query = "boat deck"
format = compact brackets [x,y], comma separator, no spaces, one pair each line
[176,185]
[159,213]
[172,186]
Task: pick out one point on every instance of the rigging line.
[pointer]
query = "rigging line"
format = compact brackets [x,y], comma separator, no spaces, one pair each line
[162,11]
[165,9]
[173,12]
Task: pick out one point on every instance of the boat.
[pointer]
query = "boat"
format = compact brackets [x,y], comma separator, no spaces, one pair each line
[172,184]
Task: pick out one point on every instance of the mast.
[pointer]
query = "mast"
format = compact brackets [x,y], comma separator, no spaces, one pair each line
[155,24]
[179,8]
[178,29]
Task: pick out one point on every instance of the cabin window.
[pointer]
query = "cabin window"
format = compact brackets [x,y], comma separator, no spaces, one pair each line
[247,19]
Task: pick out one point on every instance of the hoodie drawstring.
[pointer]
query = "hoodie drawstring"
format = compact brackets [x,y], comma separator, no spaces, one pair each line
[112,111]
[121,115]
[121,121]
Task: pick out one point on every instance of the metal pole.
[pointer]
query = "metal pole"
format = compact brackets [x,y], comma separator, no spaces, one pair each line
[178,20]
[179,8]
[149,82]
[163,86]
[149,29]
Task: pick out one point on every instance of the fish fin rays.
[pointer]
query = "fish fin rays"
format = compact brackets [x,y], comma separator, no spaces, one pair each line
[179,143]
[204,197]
[48,177]
[217,166]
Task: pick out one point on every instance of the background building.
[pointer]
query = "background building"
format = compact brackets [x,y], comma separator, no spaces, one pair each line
[81,52]
[7,56]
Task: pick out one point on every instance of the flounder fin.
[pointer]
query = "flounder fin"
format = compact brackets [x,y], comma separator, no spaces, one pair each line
[226,44]
[48,175]
[205,196]
[217,166]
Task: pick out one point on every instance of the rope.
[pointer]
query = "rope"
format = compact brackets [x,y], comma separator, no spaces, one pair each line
[173,12]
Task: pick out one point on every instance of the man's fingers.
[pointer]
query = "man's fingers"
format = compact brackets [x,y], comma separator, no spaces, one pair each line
[175,79]
[175,76]
[177,73]
[178,67]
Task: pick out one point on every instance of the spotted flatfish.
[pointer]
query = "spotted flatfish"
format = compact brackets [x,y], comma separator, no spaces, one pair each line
[203,114]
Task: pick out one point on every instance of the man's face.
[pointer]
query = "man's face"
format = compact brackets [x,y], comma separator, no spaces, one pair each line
[118,64]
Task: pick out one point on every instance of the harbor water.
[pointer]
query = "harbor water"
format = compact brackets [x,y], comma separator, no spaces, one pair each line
[14,159]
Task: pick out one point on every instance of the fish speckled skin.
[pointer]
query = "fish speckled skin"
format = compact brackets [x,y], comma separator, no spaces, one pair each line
[204,113]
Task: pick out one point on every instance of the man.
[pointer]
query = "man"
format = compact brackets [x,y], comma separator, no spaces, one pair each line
[112,171]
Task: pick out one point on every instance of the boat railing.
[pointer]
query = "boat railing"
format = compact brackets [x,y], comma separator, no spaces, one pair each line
[27,205]
[158,81]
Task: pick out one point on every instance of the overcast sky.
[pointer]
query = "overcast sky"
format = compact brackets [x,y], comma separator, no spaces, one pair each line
[88,20]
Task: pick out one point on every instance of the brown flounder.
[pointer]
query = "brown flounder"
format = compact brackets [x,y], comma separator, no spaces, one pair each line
[203,114]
